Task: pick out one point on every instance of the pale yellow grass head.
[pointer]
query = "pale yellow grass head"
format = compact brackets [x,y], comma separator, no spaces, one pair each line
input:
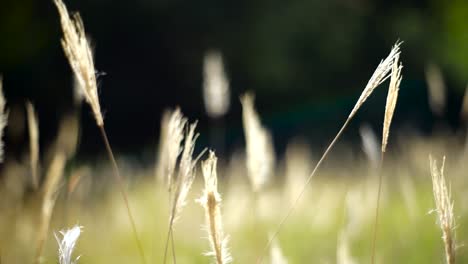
[80,57]
[381,73]
[172,134]
[391,100]
[211,202]
[444,208]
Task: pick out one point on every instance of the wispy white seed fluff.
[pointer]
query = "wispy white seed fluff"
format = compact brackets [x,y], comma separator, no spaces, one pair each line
[67,244]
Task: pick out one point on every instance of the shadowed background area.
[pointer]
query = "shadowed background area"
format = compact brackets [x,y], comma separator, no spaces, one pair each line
[306,61]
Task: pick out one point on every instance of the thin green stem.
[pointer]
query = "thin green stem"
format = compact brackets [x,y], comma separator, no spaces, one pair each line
[120,182]
[293,206]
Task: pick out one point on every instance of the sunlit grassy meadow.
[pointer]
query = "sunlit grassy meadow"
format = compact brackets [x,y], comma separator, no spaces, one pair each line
[309,205]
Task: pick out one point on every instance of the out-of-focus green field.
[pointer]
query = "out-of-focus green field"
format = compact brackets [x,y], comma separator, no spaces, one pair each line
[335,215]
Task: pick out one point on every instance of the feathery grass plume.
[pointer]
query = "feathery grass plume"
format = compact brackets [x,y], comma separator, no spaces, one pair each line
[67,244]
[260,153]
[215,85]
[80,57]
[3,118]
[172,133]
[436,89]
[48,198]
[444,208]
[276,255]
[379,76]
[183,182]
[33,128]
[211,201]
[392,97]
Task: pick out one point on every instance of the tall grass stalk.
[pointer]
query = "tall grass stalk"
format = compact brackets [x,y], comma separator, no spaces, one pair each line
[80,57]
[444,209]
[379,76]
[392,97]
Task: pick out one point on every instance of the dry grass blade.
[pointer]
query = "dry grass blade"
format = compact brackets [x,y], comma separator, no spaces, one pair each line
[3,118]
[183,182]
[33,128]
[260,153]
[80,56]
[48,197]
[392,97]
[380,74]
[172,133]
[211,201]
[444,209]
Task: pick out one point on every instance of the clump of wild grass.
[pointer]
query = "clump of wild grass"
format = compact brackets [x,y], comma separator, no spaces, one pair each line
[211,201]
[381,73]
[3,118]
[33,129]
[260,153]
[444,209]
[80,57]
[67,244]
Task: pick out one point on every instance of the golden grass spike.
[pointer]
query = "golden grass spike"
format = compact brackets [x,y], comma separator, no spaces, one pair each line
[48,198]
[3,118]
[211,201]
[33,128]
[79,55]
[392,97]
[260,156]
[444,208]
[172,133]
[379,76]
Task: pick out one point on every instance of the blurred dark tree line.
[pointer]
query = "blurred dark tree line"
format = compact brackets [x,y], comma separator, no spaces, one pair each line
[307,61]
